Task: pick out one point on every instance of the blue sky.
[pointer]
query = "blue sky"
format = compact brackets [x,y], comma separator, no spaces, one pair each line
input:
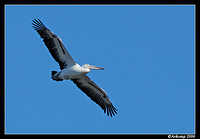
[148,53]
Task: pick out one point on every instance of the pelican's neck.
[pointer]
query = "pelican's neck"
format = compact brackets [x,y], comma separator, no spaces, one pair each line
[85,68]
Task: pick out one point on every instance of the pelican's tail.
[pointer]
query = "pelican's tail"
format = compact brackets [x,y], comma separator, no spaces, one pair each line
[54,76]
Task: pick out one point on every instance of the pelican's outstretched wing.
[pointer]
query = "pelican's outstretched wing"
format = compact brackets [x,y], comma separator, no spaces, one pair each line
[54,44]
[97,94]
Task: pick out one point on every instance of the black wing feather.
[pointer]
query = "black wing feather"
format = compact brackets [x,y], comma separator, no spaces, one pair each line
[54,44]
[97,94]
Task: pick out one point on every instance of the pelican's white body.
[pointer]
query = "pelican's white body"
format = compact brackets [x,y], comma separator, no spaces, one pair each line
[72,72]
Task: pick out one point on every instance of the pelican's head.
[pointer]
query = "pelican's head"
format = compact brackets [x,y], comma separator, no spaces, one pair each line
[87,66]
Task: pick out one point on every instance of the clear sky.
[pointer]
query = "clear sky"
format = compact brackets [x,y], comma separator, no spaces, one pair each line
[148,53]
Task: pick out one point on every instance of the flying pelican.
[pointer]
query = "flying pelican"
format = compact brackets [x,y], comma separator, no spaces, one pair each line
[70,70]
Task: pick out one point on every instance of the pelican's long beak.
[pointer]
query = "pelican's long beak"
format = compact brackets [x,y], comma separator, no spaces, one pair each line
[96,68]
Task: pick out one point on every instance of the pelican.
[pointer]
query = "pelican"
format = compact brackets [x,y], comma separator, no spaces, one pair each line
[70,70]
